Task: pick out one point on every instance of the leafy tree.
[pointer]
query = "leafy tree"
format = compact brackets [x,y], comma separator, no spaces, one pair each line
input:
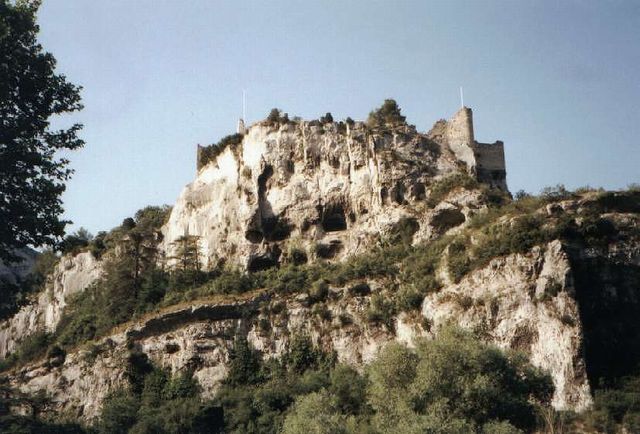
[72,243]
[119,413]
[187,271]
[315,413]
[156,403]
[245,364]
[274,116]
[327,118]
[187,252]
[455,379]
[386,115]
[32,177]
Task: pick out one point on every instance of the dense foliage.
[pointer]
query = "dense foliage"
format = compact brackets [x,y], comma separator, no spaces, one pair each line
[32,177]
[155,402]
[387,115]
[451,384]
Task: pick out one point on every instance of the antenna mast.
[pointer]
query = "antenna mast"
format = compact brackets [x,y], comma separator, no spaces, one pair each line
[461,98]
[244,104]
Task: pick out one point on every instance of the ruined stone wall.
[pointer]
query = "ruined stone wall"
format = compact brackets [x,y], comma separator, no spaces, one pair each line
[490,165]
[459,136]
[484,160]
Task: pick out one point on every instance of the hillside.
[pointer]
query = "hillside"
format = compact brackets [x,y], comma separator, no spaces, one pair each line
[304,249]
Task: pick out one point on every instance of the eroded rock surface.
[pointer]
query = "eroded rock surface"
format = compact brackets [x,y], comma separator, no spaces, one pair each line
[525,302]
[71,275]
[328,190]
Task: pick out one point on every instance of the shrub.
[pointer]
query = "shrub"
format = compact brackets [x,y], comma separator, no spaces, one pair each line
[408,299]
[211,152]
[360,289]
[345,319]
[464,301]
[448,377]
[557,193]
[387,115]
[458,261]
[75,242]
[318,291]
[326,119]
[381,311]
[321,310]
[403,231]
[119,412]
[33,346]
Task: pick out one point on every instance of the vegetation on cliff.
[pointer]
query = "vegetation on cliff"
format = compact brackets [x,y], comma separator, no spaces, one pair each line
[265,396]
[451,383]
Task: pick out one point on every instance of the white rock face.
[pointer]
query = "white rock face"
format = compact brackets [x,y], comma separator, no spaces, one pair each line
[505,303]
[512,302]
[322,190]
[71,275]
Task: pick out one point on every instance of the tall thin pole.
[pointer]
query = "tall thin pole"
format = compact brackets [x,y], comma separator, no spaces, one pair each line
[461,98]
[244,104]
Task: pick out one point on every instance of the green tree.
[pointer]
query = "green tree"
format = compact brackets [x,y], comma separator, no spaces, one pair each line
[72,243]
[386,115]
[188,252]
[187,270]
[456,380]
[315,413]
[245,364]
[32,175]
[274,116]
[119,412]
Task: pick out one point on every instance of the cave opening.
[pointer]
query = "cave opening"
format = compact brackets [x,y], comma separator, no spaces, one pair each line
[334,219]
[261,263]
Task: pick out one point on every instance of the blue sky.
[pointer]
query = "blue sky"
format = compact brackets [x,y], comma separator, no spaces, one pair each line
[558,82]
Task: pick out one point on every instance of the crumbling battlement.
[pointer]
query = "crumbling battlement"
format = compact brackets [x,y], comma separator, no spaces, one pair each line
[484,160]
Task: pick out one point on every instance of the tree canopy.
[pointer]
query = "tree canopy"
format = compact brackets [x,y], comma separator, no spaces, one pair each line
[32,174]
[388,114]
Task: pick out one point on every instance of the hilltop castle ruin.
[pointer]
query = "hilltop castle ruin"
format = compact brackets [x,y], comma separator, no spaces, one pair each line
[484,160]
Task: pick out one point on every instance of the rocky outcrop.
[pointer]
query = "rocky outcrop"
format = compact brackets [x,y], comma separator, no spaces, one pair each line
[326,191]
[526,303]
[71,275]
[301,191]
[523,301]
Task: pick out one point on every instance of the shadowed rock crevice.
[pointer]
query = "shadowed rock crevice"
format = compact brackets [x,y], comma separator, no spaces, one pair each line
[333,218]
[174,320]
[264,261]
[608,295]
[328,251]
[265,224]
[447,218]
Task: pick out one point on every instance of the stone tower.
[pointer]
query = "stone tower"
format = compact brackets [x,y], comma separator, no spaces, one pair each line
[485,161]
[241,129]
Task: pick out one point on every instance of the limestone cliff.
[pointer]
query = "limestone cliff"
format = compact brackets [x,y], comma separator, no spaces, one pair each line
[71,275]
[503,301]
[324,190]
[296,192]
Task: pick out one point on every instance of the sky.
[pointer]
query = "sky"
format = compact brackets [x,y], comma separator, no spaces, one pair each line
[558,82]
